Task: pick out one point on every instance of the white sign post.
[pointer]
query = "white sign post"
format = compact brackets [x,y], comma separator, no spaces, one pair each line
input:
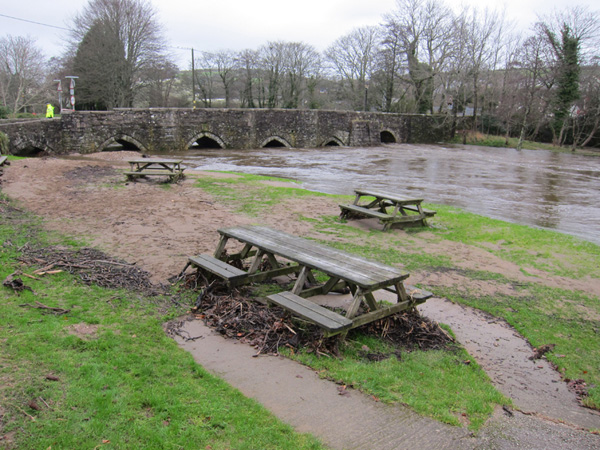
[72,91]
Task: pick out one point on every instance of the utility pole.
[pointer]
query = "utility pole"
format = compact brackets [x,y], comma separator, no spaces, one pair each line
[193,82]
[59,88]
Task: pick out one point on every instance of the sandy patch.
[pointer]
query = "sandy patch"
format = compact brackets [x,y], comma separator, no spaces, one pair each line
[84,331]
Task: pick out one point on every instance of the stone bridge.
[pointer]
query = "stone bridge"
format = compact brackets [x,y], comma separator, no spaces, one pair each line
[165,130]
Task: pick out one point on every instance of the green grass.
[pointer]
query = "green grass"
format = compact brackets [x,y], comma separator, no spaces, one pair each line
[256,195]
[556,253]
[543,315]
[154,400]
[446,385]
[487,140]
[126,386]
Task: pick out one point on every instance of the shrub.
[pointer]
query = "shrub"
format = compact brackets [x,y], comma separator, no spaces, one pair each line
[26,116]
[3,143]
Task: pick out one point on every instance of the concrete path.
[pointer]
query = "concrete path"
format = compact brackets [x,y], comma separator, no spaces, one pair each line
[296,395]
[533,385]
[548,415]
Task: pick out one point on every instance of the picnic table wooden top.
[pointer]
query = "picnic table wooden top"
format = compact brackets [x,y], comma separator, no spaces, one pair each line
[155,161]
[395,198]
[367,274]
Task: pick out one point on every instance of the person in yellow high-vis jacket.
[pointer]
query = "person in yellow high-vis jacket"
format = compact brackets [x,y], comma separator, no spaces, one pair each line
[49,111]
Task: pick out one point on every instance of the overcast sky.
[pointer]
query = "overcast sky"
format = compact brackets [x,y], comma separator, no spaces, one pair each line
[239,24]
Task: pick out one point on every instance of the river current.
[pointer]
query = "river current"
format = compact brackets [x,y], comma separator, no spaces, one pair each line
[540,188]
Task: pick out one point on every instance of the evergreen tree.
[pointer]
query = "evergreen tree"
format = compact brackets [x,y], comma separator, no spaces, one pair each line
[566,51]
[98,62]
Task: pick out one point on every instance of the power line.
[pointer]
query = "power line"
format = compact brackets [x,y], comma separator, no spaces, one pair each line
[37,23]
[66,29]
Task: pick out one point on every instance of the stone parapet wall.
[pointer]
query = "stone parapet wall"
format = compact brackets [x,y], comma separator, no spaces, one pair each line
[164,130]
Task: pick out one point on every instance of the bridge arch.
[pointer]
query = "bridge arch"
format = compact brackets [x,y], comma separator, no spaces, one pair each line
[333,142]
[274,141]
[387,136]
[32,149]
[126,142]
[206,139]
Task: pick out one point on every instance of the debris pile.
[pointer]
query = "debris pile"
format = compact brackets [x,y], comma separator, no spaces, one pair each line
[579,387]
[92,266]
[237,316]
[410,329]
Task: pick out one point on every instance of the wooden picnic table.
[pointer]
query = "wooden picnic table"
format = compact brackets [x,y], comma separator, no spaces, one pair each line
[155,167]
[390,209]
[287,254]
[3,159]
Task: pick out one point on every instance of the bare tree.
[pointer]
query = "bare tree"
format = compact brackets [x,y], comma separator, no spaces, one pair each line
[224,62]
[286,71]
[134,25]
[247,62]
[351,58]
[271,61]
[21,73]
[390,60]
[422,29]
[586,120]
[534,66]
[482,30]
[502,92]
[301,62]
[205,78]
[159,79]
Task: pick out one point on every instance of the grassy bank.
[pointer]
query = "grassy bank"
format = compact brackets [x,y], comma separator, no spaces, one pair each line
[105,375]
[489,140]
[127,385]
[568,318]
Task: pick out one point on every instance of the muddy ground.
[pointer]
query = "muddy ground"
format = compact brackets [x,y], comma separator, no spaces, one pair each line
[157,227]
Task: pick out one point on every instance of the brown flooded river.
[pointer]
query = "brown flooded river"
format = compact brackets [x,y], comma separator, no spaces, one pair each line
[545,189]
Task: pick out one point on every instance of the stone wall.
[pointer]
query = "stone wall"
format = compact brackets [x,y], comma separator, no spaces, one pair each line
[163,130]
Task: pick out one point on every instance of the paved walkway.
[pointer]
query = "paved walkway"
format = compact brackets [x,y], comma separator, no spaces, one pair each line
[533,385]
[296,395]
[549,417]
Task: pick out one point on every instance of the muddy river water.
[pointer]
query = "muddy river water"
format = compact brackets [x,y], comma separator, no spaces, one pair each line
[545,189]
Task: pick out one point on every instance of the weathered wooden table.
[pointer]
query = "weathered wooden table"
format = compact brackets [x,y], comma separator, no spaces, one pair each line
[155,167]
[3,159]
[286,254]
[391,209]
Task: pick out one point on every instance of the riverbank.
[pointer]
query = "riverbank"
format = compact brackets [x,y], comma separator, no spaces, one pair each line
[543,283]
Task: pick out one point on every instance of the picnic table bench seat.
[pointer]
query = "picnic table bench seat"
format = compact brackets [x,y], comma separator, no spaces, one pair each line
[427,212]
[149,172]
[363,211]
[418,295]
[330,321]
[232,275]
